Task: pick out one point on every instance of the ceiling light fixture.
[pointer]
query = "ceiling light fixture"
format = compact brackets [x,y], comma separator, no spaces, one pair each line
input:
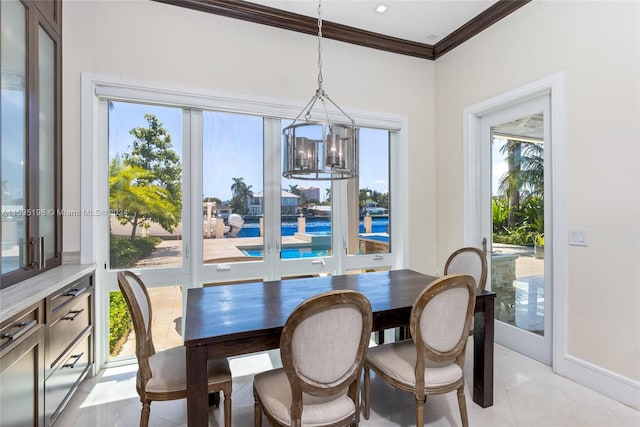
[381,8]
[324,149]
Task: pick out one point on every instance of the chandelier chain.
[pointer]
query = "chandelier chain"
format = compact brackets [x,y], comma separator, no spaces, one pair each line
[320,45]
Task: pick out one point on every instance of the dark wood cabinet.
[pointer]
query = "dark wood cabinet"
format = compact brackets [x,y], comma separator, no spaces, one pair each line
[46,350]
[31,123]
[22,369]
[69,354]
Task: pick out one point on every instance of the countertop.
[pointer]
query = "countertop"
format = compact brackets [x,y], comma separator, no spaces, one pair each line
[20,296]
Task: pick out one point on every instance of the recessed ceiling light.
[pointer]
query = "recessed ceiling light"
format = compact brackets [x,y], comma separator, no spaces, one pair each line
[381,8]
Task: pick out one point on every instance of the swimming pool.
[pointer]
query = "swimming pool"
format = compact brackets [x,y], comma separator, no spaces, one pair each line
[290,253]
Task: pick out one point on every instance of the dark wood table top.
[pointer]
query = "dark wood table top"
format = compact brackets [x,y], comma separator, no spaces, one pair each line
[249,309]
[236,310]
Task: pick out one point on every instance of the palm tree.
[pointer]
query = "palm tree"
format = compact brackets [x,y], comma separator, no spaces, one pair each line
[237,186]
[525,174]
[293,189]
[241,194]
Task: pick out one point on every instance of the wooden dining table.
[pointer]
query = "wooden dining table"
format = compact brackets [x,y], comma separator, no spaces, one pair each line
[236,319]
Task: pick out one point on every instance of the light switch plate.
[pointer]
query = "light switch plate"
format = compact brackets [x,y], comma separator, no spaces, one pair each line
[578,237]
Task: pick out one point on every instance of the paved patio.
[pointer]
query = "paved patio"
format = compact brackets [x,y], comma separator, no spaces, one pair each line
[169,252]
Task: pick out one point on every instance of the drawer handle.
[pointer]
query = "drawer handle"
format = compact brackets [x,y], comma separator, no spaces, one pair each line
[72,314]
[24,327]
[74,292]
[73,365]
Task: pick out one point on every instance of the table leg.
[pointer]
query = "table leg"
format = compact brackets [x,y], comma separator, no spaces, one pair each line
[197,397]
[483,354]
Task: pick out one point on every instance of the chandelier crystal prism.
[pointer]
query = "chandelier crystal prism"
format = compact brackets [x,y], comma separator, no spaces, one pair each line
[325,148]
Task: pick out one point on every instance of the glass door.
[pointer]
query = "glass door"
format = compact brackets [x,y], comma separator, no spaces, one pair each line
[146,224]
[233,207]
[514,213]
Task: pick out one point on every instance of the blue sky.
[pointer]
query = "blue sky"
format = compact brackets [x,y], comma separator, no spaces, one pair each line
[233,148]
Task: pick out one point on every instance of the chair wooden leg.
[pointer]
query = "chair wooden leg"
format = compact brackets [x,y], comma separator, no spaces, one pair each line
[257,414]
[462,404]
[144,414]
[367,381]
[227,408]
[420,412]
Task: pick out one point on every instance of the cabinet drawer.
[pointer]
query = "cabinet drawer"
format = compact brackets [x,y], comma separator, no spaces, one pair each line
[16,329]
[60,384]
[73,321]
[57,303]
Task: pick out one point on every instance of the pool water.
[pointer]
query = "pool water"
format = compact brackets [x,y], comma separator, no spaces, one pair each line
[288,253]
[252,229]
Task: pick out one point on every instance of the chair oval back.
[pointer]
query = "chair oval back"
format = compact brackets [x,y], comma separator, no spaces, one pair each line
[471,261]
[324,340]
[441,318]
[137,298]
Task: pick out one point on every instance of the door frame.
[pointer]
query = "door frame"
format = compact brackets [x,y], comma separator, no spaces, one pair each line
[554,86]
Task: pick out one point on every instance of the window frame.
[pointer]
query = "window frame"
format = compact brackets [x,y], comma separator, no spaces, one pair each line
[97,90]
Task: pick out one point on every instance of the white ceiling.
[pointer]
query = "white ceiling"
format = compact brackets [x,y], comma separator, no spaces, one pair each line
[423,21]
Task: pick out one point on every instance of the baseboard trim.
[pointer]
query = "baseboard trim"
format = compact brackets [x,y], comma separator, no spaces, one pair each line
[618,387]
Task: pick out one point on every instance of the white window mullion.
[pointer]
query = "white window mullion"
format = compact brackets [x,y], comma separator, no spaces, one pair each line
[272,220]
[340,225]
[194,124]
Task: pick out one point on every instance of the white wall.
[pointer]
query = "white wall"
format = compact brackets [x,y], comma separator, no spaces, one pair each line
[595,43]
[157,42]
[597,46]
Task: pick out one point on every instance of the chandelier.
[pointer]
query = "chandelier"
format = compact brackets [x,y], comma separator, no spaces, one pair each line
[322,148]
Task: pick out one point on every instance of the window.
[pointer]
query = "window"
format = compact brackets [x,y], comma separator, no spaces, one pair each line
[145,186]
[233,188]
[236,218]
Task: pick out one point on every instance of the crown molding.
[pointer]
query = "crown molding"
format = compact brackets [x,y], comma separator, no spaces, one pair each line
[481,22]
[260,14]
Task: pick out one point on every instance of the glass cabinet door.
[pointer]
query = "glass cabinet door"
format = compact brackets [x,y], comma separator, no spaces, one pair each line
[30,123]
[13,123]
[46,148]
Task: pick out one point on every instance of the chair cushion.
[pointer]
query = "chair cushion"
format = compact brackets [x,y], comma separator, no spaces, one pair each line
[398,361]
[275,394]
[169,374]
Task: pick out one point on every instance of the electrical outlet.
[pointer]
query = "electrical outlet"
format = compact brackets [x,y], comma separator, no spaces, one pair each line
[578,237]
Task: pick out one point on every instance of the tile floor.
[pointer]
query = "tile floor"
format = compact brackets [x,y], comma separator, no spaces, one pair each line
[527,393]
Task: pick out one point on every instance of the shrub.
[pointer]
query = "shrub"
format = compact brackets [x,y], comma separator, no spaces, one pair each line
[512,238]
[119,320]
[125,253]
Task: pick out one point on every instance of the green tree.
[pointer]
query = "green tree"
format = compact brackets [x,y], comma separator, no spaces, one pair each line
[242,193]
[212,199]
[145,186]
[524,177]
[327,195]
[139,204]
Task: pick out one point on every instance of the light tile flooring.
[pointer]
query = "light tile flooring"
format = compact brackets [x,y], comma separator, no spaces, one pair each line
[527,393]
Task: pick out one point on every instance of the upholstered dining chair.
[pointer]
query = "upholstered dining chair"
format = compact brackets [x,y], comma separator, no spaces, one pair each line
[471,261]
[162,375]
[432,361]
[322,347]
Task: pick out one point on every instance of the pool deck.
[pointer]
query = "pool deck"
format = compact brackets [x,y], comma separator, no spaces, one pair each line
[169,252]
